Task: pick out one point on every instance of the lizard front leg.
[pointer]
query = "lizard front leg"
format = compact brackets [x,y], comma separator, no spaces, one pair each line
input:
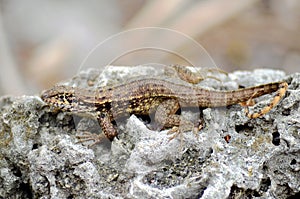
[107,127]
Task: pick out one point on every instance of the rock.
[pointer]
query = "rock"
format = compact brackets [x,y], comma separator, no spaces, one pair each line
[232,157]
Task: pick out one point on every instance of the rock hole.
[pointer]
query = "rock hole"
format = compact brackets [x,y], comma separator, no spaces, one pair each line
[286,112]
[276,139]
[265,184]
[35,146]
[16,171]
[25,188]
[244,127]
[296,196]
[293,162]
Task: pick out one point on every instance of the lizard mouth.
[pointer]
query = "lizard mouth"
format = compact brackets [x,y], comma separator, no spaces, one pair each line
[44,95]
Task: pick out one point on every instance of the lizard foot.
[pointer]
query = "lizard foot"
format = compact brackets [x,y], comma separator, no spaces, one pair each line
[87,137]
[175,131]
[178,131]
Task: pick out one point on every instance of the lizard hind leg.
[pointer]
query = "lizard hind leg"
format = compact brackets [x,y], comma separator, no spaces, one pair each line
[279,94]
[166,116]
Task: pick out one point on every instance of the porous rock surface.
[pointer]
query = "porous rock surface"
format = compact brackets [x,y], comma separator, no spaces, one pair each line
[232,156]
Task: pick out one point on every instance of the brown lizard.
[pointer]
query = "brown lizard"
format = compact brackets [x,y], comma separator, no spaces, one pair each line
[152,95]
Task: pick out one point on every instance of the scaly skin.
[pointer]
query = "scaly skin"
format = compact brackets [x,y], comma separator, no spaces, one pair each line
[145,96]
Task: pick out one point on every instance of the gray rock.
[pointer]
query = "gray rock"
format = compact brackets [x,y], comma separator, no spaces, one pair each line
[40,156]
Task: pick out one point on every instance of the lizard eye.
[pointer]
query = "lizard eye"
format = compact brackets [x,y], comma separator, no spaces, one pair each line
[63,98]
[70,98]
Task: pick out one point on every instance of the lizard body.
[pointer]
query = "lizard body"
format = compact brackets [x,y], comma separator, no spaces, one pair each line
[152,95]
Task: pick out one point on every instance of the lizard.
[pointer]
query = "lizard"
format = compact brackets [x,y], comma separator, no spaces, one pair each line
[157,96]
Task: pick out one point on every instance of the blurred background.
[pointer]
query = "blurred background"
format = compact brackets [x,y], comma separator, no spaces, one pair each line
[44,42]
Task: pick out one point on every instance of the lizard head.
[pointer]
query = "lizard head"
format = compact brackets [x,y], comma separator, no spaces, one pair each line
[60,97]
[68,99]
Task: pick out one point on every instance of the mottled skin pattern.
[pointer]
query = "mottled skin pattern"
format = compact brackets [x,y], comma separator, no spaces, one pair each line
[152,95]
